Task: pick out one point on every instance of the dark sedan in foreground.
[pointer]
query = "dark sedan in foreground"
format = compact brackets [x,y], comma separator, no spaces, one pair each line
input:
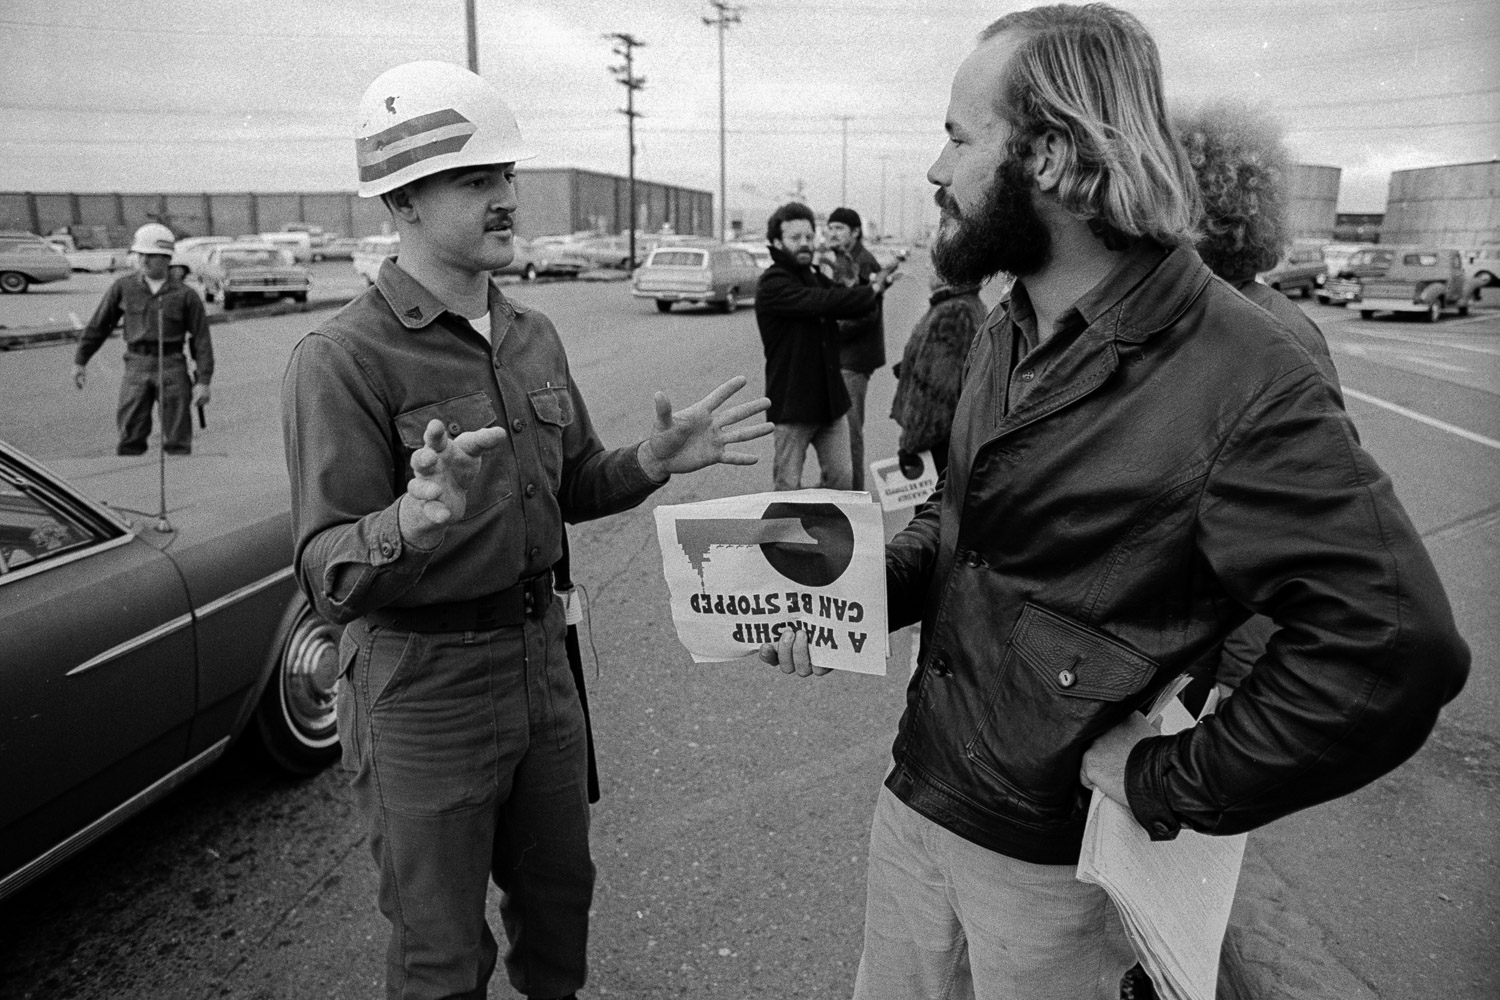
[136,649]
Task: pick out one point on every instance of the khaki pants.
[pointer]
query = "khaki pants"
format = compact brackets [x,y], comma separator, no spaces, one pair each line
[829,441]
[947,919]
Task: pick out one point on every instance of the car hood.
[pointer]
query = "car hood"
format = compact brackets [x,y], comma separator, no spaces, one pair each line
[205,494]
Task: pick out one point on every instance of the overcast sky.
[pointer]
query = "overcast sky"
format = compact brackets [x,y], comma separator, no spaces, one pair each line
[141,95]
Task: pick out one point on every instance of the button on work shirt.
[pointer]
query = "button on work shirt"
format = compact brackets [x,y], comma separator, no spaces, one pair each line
[357,395]
[181,312]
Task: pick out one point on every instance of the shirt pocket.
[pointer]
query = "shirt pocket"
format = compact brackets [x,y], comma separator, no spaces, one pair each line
[468,412]
[1060,685]
[552,406]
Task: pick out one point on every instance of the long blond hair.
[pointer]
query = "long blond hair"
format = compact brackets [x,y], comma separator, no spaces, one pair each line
[1092,75]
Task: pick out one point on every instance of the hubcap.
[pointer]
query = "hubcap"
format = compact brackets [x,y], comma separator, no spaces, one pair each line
[310,681]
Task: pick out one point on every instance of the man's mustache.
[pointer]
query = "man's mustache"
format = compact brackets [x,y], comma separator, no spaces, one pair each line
[945,201]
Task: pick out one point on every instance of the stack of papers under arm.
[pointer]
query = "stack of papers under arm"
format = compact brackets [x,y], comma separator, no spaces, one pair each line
[1173,895]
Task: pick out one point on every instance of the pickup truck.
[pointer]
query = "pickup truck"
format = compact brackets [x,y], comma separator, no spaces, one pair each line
[1421,279]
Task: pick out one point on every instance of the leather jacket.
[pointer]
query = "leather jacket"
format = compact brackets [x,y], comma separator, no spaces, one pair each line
[1180,463]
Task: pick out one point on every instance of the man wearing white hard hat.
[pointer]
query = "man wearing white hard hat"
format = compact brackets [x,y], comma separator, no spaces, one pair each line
[162,317]
[436,443]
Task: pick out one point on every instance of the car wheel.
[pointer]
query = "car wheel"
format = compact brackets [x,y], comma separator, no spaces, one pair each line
[1463,310]
[208,294]
[529,273]
[299,296]
[1434,310]
[663,305]
[297,718]
[1307,291]
[13,283]
[732,300]
[230,301]
[1367,314]
[1485,279]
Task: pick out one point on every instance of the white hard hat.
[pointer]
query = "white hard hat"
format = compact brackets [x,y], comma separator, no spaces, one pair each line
[153,237]
[425,117]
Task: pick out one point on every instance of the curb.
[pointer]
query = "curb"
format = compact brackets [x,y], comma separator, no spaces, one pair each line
[20,338]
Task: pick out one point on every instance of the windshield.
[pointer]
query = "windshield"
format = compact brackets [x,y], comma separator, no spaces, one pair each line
[1419,259]
[1380,257]
[678,258]
[232,259]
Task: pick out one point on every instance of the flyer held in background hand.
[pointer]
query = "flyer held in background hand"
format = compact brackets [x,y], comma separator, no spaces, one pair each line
[898,489]
[742,570]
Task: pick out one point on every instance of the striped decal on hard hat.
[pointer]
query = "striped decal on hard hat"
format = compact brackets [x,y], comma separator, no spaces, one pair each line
[412,141]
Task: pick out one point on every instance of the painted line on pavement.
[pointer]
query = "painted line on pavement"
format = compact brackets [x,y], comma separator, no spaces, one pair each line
[1423,418]
[1382,335]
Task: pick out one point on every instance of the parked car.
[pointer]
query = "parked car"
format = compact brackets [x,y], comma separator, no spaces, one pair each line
[1297,270]
[193,250]
[88,261]
[758,251]
[317,237]
[372,252]
[1347,283]
[299,244]
[1421,279]
[720,275]
[133,658]
[341,248]
[1483,265]
[532,260]
[234,272]
[26,259]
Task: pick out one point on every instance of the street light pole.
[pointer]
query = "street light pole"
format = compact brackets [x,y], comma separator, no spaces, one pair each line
[625,46]
[470,24]
[727,14]
[844,163]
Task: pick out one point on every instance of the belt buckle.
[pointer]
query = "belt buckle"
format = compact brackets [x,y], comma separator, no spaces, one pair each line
[534,595]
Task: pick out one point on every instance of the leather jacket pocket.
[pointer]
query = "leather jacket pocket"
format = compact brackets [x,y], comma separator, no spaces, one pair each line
[1060,685]
[553,407]
[468,412]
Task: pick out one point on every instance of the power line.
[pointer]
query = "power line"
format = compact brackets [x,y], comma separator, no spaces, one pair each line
[177,31]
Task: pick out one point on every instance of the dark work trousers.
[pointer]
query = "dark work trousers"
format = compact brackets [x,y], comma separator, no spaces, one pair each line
[138,394]
[858,384]
[470,764]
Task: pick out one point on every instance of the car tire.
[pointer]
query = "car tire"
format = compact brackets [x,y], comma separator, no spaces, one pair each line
[299,297]
[229,302]
[663,305]
[1463,310]
[1434,310]
[297,716]
[1485,279]
[529,273]
[1367,314]
[731,301]
[13,282]
[1307,291]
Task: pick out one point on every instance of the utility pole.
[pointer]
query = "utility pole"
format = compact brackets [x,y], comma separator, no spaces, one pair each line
[884,223]
[470,23]
[844,164]
[901,187]
[727,14]
[625,46]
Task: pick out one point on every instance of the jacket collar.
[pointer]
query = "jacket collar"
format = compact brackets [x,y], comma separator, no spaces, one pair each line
[786,260]
[417,308]
[1154,290]
[947,292]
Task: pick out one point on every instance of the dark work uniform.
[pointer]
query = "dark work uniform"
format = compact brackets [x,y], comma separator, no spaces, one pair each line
[458,714]
[182,321]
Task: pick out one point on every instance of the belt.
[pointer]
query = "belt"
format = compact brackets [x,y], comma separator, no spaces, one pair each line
[149,347]
[502,609]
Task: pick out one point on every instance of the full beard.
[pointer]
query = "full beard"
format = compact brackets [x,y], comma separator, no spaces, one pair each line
[1005,234]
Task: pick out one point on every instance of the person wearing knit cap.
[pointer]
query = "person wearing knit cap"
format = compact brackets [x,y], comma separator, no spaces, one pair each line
[862,339]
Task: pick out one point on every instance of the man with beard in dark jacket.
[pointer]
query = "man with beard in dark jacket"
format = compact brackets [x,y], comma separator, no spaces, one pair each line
[797,310]
[1140,459]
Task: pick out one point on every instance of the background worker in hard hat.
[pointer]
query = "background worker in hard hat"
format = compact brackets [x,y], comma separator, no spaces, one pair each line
[154,305]
[436,442]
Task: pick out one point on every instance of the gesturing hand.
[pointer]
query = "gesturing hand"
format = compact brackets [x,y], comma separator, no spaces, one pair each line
[697,437]
[445,468]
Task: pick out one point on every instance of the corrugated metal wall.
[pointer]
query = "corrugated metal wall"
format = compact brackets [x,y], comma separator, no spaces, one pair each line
[1456,205]
[1313,203]
[552,202]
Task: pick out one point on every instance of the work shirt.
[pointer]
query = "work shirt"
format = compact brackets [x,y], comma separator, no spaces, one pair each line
[178,307]
[1028,357]
[357,395]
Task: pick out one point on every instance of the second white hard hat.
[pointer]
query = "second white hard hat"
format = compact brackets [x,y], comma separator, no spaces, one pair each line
[421,118]
[153,237]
